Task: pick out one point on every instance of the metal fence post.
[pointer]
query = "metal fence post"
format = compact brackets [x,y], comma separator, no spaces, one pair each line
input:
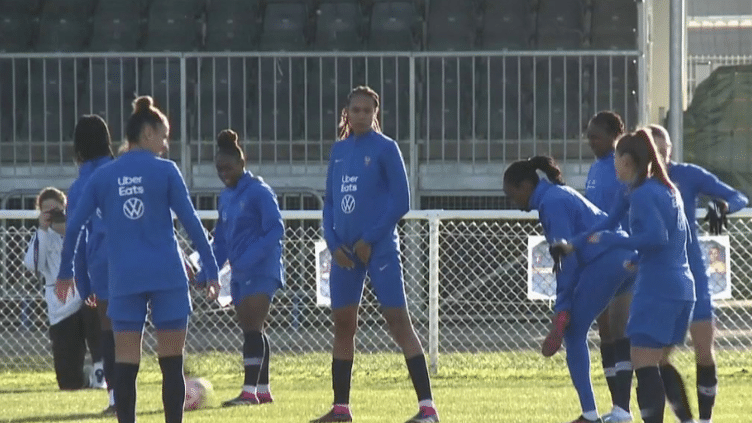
[185,157]
[433,293]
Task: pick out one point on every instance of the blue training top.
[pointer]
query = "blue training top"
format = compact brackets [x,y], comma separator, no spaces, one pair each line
[692,180]
[603,188]
[564,213]
[366,193]
[135,194]
[249,231]
[91,251]
[659,232]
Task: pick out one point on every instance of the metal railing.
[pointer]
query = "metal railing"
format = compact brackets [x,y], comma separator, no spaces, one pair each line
[465,276]
[471,111]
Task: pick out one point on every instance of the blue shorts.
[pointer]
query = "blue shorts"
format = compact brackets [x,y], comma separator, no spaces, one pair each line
[658,323]
[385,271]
[169,310]
[263,285]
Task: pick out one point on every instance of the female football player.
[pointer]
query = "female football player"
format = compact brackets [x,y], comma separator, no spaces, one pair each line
[249,234]
[603,189]
[366,196]
[664,292]
[693,181]
[585,282]
[136,194]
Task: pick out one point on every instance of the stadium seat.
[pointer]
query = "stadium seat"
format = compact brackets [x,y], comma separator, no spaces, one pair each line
[172,26]
[329,82]
[13,96]
[222,99]
[64,26]
[338,27]
[54,85]
[284,28]
[560,24]
[507,25]
[448,99]
[561,90]
[108,90]
[232,25]
[614,24]
[393,26]
[615,87]
[504,98]
[20,6]
[117,26]
[281,99]
[160,78]
[15,32]
[452,25]
[390,77]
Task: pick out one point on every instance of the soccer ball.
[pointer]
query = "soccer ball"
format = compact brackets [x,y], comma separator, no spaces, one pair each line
[197,392]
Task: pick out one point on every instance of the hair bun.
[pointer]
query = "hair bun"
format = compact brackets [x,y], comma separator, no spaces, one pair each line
[144,102]
[227,139]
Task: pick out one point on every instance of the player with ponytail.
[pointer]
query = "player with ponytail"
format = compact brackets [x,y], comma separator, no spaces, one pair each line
[135,194]
[664,293]
[585,282]
[693,181]
[249,235]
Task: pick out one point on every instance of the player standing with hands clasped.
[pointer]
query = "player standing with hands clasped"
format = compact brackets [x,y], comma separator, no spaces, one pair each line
[664,293]
[585,282]
[366,196]
[249,234]
[693,181]
[135,194]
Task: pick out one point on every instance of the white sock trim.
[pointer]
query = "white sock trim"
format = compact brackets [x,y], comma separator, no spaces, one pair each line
[590,415]
[426,403]
[250,389]
[262,389]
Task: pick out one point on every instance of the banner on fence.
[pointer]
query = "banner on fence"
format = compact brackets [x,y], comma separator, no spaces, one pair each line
[323,267]
[541,282]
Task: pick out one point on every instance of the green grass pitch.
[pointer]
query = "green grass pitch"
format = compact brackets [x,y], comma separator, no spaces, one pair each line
[488,387]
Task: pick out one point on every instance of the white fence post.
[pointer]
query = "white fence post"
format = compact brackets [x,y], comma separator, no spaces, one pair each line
[433,292]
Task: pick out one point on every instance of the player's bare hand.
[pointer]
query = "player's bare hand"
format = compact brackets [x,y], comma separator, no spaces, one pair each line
[363,251]
[342,258]
[63,287]
[91,301]
[212,290]
[563,247]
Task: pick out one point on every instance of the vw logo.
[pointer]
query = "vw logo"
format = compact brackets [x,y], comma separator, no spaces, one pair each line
[133,208]
[348,203]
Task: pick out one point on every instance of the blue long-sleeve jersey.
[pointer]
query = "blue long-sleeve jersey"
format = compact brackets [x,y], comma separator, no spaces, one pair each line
[249,231]
[659,232]
[603,188]
[135,194]
[692,181]
[564,213]
[91,251]
[366,193]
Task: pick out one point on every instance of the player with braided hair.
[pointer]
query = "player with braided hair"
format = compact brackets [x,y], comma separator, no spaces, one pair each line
[366,196]
[693,181]
[585,282]
[249,235]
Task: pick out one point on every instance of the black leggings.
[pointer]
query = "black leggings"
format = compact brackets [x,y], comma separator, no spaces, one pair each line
[69,339]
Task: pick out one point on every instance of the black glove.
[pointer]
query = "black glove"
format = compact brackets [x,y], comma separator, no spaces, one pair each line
[716,216]
[557,253]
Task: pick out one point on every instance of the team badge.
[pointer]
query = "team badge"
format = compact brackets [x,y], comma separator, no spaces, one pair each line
[368,160]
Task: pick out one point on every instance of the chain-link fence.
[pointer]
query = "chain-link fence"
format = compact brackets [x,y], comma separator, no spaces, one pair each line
[466,279]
